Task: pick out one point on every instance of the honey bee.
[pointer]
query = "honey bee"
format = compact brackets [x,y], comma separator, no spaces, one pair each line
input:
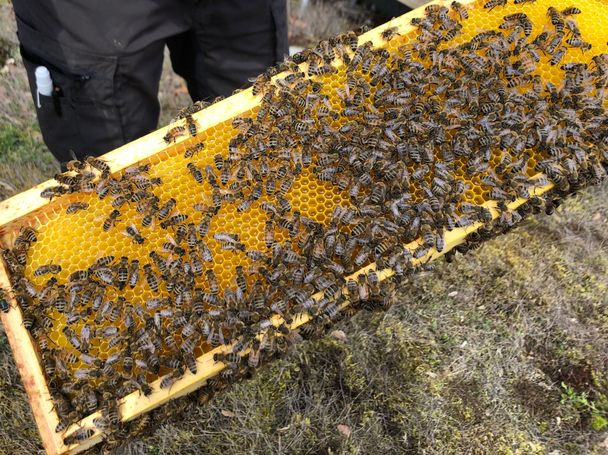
[575,41]
[119,201]
[151,278]
[494,3]
[72,338]
[203,227]
[195,172]
[46,269]
[570,11]
[102,188]
[168,380]
[26,236]
[172,247]
[232,245]
[5,304]
[103,261]
[241,281]
[138,169]
[460,10]
[173,134]
[261,84]
[420,251]
[80,435]
[190,343]
[110,221]
[192,238]
[556,19]
[191,124]
[558,55]
[572,27]
[98,164]
[122,274]
[75,207]
[79,275]
[75,165]
[166,209]
[205,252]
[193,150]
[284,203]
[132,232]
[189,110]
[212,282]
[218,161]
[389,33]
[174,220]
[101,423]
[53,191]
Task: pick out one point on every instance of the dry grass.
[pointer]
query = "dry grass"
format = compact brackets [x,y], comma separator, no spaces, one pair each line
[473,358]
[312,20]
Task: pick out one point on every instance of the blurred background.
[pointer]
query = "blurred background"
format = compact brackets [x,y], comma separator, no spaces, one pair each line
[505,351]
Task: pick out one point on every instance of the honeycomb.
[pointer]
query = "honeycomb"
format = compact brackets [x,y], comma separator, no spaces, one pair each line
[78,240]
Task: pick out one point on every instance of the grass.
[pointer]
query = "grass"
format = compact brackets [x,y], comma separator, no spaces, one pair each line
[23,159]
[312,20]
[504,351]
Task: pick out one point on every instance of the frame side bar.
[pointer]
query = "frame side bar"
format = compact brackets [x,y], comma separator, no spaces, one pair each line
[31,373]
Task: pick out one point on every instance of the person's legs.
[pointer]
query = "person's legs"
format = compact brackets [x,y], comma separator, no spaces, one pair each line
[232,40]
[99,102]
[136,90]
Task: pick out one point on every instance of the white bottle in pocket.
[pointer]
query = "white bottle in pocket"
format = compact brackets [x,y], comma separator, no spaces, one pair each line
[44,83]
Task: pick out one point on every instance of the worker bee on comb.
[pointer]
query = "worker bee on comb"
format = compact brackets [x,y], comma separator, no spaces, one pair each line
[174,133]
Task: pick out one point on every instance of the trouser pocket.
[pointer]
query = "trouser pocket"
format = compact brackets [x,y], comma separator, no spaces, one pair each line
[80,118]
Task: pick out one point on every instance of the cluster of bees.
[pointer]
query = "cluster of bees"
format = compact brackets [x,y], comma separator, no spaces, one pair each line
[412,124]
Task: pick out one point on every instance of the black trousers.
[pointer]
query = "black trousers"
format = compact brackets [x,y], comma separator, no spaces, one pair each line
[105,60]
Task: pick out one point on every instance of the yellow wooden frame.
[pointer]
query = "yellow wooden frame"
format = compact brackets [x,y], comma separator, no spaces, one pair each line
[29,207]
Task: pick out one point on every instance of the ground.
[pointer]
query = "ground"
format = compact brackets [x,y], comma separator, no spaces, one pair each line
[504,351]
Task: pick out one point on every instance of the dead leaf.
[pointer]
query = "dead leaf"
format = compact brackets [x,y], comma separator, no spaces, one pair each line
[344,430]
[597,216]
[453,294]
[181,88]
[227,413]
[339,335]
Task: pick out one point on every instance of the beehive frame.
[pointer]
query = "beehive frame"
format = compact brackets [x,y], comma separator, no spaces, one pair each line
[29,206]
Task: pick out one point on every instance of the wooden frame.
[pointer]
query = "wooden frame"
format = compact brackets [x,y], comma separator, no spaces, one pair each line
[28,206]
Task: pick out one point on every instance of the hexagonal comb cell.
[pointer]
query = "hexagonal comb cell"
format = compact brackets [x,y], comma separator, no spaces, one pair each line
[76,241]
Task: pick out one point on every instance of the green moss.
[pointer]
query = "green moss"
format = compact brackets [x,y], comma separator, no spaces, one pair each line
[18,145]
[24,159]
